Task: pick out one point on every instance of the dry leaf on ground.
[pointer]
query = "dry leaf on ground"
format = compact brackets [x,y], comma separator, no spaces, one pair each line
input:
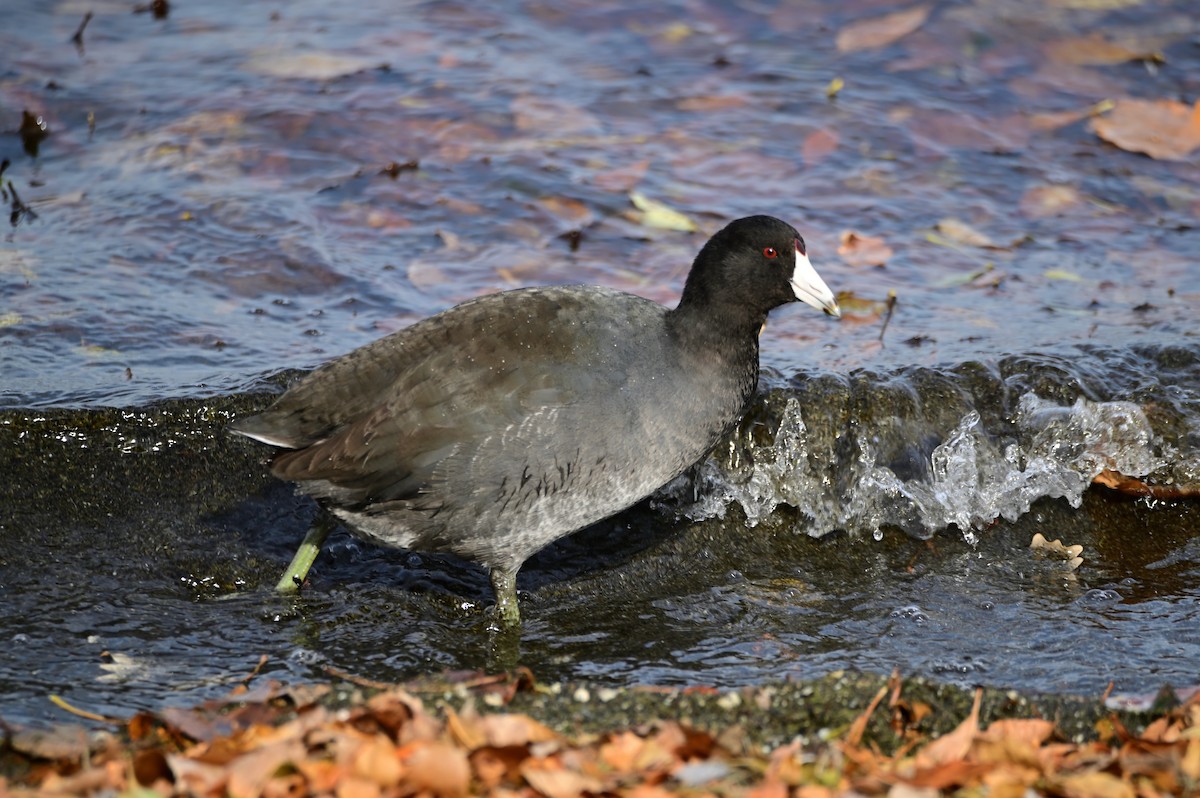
[870,34]
[1167,130]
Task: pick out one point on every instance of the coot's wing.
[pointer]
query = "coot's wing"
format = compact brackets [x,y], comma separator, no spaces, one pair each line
[523,371]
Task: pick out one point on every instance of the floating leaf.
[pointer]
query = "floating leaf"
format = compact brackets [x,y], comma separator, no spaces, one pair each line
[1063,274]
[860,250]
[818,146]
[1095,50]
[963,233]
[834,88]
[1167,130]
[308,66]
[656,214]
[1042,201]
[871,34]
[1056,549]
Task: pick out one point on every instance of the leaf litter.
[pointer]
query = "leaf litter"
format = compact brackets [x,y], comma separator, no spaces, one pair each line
[272,740]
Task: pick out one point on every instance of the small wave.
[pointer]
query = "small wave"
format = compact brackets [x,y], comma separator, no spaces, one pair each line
[929,450]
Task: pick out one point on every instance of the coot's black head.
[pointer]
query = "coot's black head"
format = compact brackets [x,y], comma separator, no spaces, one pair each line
[753,265]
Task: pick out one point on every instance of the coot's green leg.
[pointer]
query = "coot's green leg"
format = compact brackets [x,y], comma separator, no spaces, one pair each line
[504,583]
[303,559]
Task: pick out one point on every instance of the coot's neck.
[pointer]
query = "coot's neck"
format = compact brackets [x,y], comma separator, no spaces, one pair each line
[720,328]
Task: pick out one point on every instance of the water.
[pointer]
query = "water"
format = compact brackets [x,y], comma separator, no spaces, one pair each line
[237,190]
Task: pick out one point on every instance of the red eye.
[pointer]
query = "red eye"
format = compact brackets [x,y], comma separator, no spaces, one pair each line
[770,252]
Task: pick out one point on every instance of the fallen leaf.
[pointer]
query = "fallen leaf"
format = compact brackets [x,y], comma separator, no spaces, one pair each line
[437,767]
[818,146]
[719,102]
[1132,486]
[1095,785]
[307,66]
[1056,549]
[623,178]
[1095,50]
[963,233]
[622,751]
[1033,731]
[870,34]
[568,210]
[954,746]
[1042,201]
[860,250]
[1166,130]
[656,214]
[558,782]
[1064,275]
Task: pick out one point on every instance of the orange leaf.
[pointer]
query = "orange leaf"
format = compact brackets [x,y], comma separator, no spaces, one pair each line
[376,761]
[818,146]
[860,250]
[1095,785]
[1092,50]
[1040,202]
[1163,129]
[558,783]
[622,751]
[1034,731]
[955,745]
[439,768]
[870,34]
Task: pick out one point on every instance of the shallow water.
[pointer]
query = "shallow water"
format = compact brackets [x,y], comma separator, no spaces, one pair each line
[231,214]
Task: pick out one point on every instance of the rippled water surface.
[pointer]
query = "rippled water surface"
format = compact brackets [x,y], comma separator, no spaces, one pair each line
[200,201]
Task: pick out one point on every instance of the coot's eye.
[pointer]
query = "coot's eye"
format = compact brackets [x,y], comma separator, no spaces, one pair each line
[770,252]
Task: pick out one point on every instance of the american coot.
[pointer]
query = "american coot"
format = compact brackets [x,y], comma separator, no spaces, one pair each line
[511,420]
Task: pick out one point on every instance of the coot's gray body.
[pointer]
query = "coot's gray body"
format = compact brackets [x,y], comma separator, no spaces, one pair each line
[509,421]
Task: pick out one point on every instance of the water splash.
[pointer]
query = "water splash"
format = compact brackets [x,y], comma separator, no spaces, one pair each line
[972,477]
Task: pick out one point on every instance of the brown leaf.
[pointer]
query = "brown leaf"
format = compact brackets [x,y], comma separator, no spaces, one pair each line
[1095,785]
[818,146]
[860,250]
[571,211]
[1040,202]
[962,233]
[622,179]
[1166,130]
[870,34]
[376,761]
[1030,731]
[556,782]
[622,751]
[716,102]
[955,745]
[1094,50]
[509,730]
[1132,486]
[355,787]
[438,768]
[248,774]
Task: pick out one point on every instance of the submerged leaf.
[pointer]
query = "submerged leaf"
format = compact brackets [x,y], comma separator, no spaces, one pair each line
[860,250]
[656,214]
[1166,130]
[1095,50]
[870,34]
